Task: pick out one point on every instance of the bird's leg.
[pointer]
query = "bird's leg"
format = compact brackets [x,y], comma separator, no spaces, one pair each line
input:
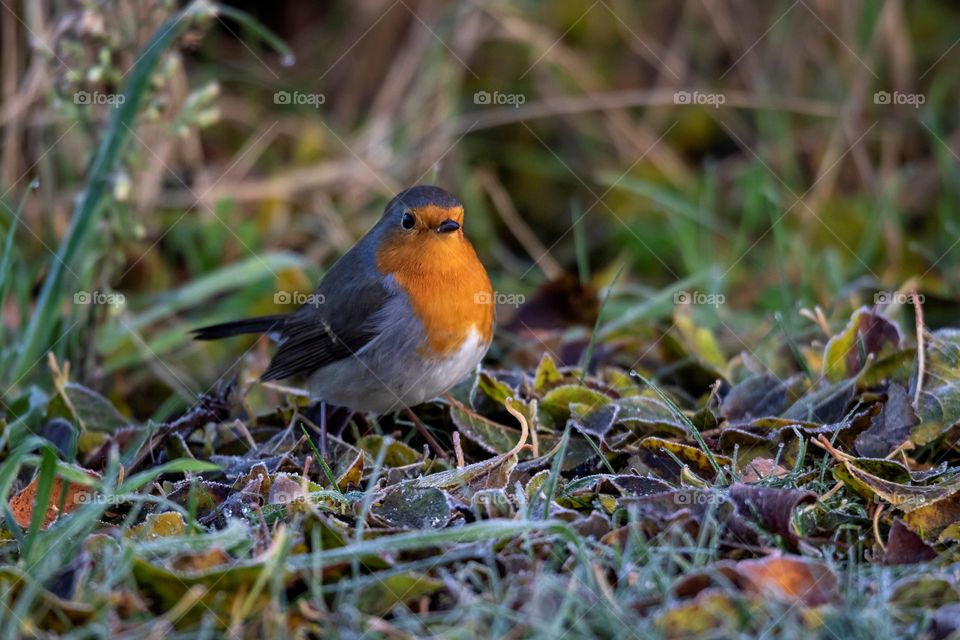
[422,428]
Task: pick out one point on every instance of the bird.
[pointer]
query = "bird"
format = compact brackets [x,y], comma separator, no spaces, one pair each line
[399,319]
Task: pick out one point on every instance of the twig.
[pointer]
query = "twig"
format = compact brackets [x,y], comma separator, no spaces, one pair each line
[823,443]
[900,450]
[304,478]
[524,428]
[210,408]
[830,493]
[422,428]
[242,428]
[921,355]
[534,442]
[876,525]
[816,316]
[458,449]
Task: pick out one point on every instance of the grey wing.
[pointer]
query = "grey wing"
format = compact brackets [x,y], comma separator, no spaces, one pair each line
[317,335]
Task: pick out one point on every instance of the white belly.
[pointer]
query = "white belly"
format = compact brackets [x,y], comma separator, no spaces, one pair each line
[389,373]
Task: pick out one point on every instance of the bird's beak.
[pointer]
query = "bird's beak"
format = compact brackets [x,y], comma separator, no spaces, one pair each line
[448,226]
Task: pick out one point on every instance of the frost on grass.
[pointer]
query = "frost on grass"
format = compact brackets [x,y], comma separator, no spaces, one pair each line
[672,492]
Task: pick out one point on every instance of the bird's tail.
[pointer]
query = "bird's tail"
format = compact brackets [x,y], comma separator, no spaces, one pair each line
[263,324]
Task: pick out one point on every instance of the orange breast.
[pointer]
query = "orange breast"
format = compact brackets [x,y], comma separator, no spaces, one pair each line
[447,286]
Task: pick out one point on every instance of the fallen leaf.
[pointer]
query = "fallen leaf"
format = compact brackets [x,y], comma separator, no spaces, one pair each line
[398,454]
[939,402]
[712,613]
[761,469]
[792,580]
[891,427]
[788,579]
[85,407]
[160,525]
[65,497]
[870,485]
[929,520]
[824,405]
[759,396]
[547,375]
[867,333]
[353,475]
[906,547]
[653,453]
[403,588]
[769,508]
[411,507]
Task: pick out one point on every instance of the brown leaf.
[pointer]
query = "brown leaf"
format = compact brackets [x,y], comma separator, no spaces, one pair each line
[769,508]
[685,508]
[710,614]
[930,519]
[906,547]
[784,578]
[867,333]
[907,497]
[791,579]
[759,396]
[762,468]
[257,479]
[653,450]
[64,498]
[353,475]
[890,427]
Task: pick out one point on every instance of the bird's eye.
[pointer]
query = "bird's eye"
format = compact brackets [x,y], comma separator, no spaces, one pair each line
[408,221]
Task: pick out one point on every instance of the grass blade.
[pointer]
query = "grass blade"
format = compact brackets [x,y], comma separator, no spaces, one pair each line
[6,257]
[588,352]
[39,331]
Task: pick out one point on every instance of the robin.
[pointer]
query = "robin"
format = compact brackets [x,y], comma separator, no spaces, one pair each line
[398,320]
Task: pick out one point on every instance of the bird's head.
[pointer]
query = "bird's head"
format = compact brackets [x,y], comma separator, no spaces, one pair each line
[422,227]
[422,230]
[421,213]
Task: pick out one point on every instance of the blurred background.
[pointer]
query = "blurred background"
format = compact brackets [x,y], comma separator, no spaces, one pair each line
[734,162]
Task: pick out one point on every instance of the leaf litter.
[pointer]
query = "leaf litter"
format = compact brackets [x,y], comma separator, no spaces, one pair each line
[695,495]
